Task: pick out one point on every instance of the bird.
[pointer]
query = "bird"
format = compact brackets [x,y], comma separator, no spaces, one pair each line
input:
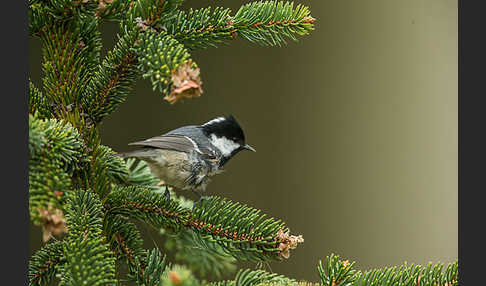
[187,157]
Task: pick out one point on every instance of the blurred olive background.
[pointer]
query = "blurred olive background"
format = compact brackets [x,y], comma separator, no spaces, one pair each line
[355,128]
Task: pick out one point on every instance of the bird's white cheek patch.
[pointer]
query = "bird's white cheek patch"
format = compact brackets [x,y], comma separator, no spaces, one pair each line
[225,145]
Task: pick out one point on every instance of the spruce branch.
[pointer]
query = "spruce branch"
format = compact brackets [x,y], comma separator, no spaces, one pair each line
[54,154]
[271,22]
[38,18]
[201,256]
[143,204]
[124,238]
[262,22]
[38,103]
[126,242]
[71,52]
[240,230]
[71,47]
[43,265]
[248,277]
[37,140]
[169,66]
[63,10]
[113,10]
[139,174]
[113,79]
[46,195]
[149,269]
[116,169]
[335,272]
[154,12]
[104,169]
[201,28]
[89,260]
[47,13]
[243,231]
[56,139]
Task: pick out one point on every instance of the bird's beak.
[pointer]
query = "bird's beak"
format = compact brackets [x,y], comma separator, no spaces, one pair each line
[248,147]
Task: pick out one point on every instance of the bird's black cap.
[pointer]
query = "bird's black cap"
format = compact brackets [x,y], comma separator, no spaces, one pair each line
[225,127]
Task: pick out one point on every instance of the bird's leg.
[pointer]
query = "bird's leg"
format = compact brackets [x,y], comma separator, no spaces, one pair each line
[201,198]
[167,193]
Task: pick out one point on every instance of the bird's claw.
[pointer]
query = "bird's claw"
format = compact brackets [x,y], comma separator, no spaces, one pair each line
[167,193]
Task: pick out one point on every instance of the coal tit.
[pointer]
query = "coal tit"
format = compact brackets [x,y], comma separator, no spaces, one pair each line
[186,158]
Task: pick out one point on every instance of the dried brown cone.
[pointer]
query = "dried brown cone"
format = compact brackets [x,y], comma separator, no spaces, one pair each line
[53,222]
[186,83]
[287,242]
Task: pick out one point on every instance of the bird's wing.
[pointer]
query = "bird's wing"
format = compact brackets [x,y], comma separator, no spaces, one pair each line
[174,142]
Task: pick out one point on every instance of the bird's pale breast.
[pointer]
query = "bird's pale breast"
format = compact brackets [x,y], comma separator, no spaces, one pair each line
[180,170]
